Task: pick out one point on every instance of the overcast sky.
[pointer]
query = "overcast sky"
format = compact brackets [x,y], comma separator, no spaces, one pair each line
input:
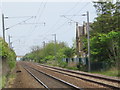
[25,36]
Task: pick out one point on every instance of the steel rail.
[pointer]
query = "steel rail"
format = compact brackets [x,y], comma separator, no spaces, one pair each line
[67,83]
[36,78]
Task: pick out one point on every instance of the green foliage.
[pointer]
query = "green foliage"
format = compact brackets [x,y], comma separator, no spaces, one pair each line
[12,63]
[105,34]
[108,17]
[47,53]
[62,64]
[7,53]
[3,81]
[111,72]
[69,52]
[105,46]
[72,68]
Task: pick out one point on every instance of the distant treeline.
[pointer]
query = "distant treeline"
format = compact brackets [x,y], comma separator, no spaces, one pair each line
[50,52]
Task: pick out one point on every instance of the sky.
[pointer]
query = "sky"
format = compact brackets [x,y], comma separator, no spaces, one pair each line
[24,36]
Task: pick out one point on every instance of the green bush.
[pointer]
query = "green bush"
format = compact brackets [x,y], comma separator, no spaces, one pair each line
[62,64]
[3,81]
[12,64]
[72,68]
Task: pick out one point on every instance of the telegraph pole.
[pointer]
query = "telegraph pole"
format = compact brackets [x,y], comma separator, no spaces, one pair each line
[55,45]
[9,41]
[3,27]
[88,38]
[77,50]
[44,48]
[43,44]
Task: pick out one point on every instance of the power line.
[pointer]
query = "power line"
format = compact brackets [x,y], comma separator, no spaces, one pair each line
[20,22]
[73,7]
[73,16]
[39,8]
[83,7]
[42,10]
[70,18]
[16,17]
[76,14]
[39,15]
[59,18]
[33,23]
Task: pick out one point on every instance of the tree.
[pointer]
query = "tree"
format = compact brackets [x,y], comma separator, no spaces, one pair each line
[69,52]
[106,47]
[108,17]
[105,34]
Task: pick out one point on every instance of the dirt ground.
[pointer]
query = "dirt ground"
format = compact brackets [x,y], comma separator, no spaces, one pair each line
[22,79]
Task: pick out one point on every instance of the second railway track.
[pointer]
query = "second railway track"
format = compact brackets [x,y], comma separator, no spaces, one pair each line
[104,81]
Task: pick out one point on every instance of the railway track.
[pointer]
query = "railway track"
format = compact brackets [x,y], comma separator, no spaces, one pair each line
[48,81]
[104,81]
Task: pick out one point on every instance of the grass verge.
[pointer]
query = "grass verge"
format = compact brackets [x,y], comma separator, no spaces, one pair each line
[4,79]
[7,80]
[111,72]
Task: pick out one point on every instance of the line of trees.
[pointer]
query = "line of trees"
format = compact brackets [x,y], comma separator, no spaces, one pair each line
[48,53]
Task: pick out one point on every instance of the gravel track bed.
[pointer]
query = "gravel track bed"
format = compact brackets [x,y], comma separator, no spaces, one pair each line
[50,82]
[86,77]
[72,80]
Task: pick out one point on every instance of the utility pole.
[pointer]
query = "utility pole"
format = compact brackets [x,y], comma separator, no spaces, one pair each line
[3,27]
[55,45]
[11,45]
[77,50]
[9,41]
[88,38]
[43,44]
[44,48]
